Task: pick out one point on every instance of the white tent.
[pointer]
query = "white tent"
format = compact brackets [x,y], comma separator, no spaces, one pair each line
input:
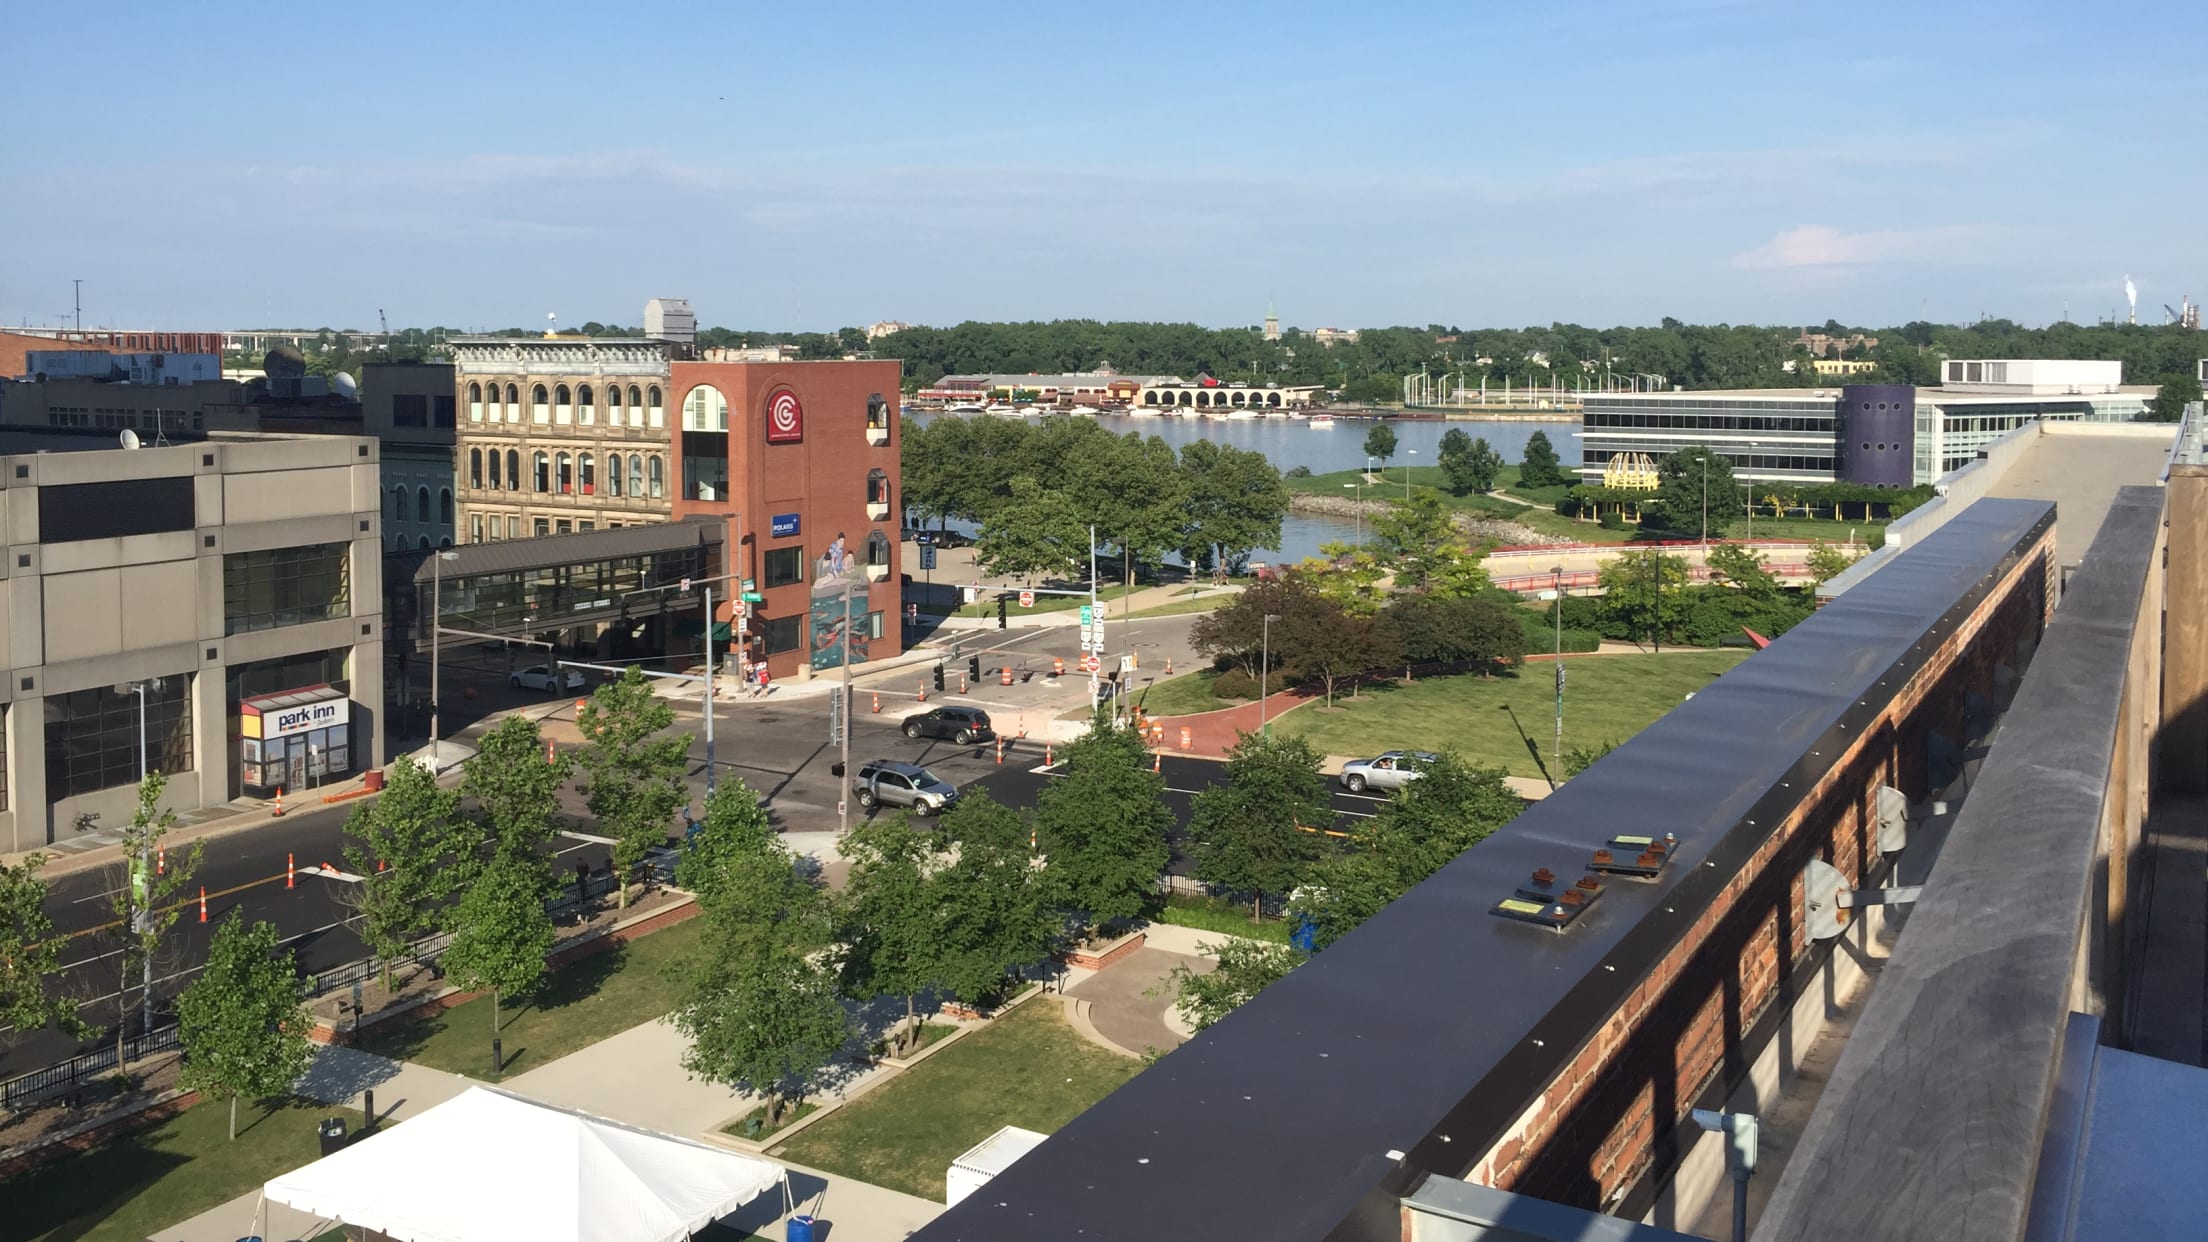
[487,1166]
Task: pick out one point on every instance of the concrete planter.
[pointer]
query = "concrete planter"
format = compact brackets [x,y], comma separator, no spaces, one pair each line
[1097,957]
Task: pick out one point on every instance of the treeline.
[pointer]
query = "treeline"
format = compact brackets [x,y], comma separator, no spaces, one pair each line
[1035,489]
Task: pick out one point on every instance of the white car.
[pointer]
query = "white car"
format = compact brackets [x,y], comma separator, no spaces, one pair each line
[1393,770]
[539,677]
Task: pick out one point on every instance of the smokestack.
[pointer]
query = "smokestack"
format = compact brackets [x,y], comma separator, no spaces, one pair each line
[2131,295]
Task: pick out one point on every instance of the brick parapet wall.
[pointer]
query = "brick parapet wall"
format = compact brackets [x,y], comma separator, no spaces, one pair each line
[1598,1127]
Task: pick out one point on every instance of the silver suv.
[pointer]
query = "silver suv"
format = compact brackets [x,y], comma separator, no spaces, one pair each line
[1393,770]
[888,782]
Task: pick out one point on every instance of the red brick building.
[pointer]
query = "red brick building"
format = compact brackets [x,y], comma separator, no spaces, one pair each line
[801,459]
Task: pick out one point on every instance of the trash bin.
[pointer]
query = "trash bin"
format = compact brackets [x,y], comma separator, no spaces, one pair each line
[373,781]
[332,1133]
[800,1229]
[1304,934]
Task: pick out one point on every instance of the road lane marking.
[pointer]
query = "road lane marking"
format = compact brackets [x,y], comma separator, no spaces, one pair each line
[585,836]
[330,873]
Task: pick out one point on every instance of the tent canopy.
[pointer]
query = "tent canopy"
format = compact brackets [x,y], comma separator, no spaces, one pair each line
[487,1166]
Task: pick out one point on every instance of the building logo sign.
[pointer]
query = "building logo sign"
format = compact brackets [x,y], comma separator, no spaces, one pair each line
[782,525]
[303,719]
[785,418]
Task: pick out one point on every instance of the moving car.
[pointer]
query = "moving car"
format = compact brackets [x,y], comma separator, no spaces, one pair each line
[541,677]
[887,782]
[963,725]
[1393,770]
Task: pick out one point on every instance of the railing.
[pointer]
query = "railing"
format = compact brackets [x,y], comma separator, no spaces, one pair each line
[65,1076]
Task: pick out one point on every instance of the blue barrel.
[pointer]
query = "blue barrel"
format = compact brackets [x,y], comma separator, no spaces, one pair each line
[1304,934]
[800,1229]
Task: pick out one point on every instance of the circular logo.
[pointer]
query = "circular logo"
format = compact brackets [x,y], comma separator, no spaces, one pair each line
[785,417]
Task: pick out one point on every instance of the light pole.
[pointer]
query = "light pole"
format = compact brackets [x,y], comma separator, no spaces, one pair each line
[1556,594]
[1407,455]
[1359,485]
[1751,489]
[843,726]
[142,917]
[1705,505]
[436,631]
[1265,669]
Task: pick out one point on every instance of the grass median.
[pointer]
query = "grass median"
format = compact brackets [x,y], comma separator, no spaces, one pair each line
[581,1003]
[1508,722]
[1026,1069]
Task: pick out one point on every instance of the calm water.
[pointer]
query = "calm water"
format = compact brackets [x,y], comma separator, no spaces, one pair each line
[1290,442]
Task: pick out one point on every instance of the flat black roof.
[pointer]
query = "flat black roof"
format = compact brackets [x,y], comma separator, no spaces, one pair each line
[550,551]
[1433,1027]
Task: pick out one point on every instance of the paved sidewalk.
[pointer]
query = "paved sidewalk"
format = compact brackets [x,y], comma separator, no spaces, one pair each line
[1128,999]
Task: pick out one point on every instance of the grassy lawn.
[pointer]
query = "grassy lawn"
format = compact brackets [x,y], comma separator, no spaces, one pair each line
[987,605]
[1026,1069]
[1185,695]
[1606,699]
[582,1003]
[146,1182]
[1213,914]
[1182,607]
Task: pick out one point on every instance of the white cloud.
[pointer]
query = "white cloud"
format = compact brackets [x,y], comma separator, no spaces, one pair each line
[1818,245]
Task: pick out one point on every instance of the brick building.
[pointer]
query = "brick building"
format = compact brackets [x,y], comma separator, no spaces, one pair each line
[800,459]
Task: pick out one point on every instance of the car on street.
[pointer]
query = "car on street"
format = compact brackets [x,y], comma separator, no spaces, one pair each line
[888,782]
[1392,770]
[963,725]
[541,677]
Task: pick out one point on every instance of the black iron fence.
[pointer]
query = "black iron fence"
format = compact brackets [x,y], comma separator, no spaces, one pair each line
[66,1076]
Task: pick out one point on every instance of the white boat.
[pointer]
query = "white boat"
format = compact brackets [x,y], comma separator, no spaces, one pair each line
[1241,412]
[969,407]
[1005,411]
[1027,411]
[1085,411]
[1322,422]
[1143,411]
[1275,412]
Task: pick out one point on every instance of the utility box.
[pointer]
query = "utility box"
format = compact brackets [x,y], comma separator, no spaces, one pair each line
[991,1156]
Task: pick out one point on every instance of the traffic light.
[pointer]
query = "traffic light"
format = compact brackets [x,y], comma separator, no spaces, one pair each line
[973,669]
[939,675]
[1000,612]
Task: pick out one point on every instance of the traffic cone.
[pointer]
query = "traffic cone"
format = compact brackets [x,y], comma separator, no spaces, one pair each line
[549,755]
[1157,760]
[924,689]
[291,872]
[877,702]
[1004,675]
[1048,757]
[1023,726]
[279,801]
[1000,750]
[161,861]
[962,683]
[382,866]
[1169,666]
[202,903]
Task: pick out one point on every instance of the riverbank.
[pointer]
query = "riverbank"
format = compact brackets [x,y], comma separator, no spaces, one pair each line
[1483,529]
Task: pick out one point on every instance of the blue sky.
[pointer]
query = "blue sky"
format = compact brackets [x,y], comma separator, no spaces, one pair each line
[808,166]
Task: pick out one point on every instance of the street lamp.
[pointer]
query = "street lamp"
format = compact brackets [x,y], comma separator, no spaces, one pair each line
[142,917]
[436,631]
[1705,506]
[1557,595]
[1359,485]
[1751,489]
[1265,669]
[1407,455]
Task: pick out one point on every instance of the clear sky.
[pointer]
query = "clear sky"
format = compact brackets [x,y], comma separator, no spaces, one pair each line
[483,164]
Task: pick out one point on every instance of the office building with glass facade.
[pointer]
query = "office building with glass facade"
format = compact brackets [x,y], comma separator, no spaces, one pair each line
[209,609]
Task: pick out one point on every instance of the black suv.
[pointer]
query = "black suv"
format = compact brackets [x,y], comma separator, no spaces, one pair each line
[963,725]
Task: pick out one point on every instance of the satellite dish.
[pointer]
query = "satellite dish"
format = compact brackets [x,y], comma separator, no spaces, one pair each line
[345,385]
[129,438]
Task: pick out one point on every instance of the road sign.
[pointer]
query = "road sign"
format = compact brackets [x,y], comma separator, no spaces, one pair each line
[927,556]
[835,715]
[1088,616]
[754,597]
[685,586]
[748,585]
[970,593]
[1027,599]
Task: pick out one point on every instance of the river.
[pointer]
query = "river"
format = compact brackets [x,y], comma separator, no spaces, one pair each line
[1290,442]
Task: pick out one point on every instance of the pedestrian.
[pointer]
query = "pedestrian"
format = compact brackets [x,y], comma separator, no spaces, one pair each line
[582,882]
[764,685]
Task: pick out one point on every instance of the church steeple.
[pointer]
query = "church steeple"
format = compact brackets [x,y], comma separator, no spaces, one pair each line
[1272,323]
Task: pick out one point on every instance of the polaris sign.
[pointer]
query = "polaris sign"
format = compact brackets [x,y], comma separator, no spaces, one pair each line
[304,719]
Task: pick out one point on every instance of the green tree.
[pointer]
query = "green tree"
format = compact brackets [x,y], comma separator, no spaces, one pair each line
[1235,633]
[1344,578]
[1235,501]
[1437,629]
[147,900]
[1373,389]
[2170,400]
[1644,592]
[516,790]
[997,915]
[1481,465]
[1541,467]
[1380,443]
[736,864]
[500,933]
[1328,646]
[30,953]
[241,1022]
[1827,562]
[1102,826]
[1246,967]
[762,1017]
[1743,569]
[632,769]
[1578,759]
[890,913]
[1454,459]
[1250,832]
[1685,491]
[413,850]
[1409,530]
[1036,533]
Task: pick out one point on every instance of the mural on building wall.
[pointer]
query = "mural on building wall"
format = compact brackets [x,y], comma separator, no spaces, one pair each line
[835,573]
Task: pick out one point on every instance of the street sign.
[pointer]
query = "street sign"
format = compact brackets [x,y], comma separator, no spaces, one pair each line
[748,585]
[1088,616]
[970,593]
[1027,599]
[835,715]
[685,586]
[927,556]
[754,597]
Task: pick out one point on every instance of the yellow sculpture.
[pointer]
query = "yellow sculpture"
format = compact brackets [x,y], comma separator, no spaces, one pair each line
[1630,471]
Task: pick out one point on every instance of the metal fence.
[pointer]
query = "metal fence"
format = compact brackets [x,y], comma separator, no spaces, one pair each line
[65,1076]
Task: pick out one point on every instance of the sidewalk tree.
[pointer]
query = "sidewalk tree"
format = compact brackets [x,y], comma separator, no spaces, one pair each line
[413,850]
[1380,443]
[763,1017]
[1102,826]
[1455,460]
[1742,569]
[148,899]
[1246,967]
[1684,494]
[1330,645]
[1540,467]
[1236,502]
[1827,562]
[997,914]
[1644,592]
[29,954]
[1344,577]
[632,769]
[1436,629]
[516,790]
[241,1022]
[501,933]
[1036,533]
[733,833]
[1234,634]
[1249,832]
[889,916]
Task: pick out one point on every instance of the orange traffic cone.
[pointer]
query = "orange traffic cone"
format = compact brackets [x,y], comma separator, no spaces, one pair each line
[550,756]
[877,702]
[202,903]
[382,866]
[962,683]
[291,872]
[1004,675]
[1023,726]
[1157,759]
[161,861]
[1188,737]
[1000,750]
[924,690]
[1048,758]
[279,801]
[1169,666]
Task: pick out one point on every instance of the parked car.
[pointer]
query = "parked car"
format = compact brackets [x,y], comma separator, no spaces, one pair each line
[963,725]
[541,677]
[1393,770]
[887,782]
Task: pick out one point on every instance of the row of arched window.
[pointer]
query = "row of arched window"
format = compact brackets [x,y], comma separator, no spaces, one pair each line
[413,506]
[635,406]
[637,475]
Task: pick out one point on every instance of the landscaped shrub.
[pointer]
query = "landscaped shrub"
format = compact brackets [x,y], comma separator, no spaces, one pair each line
[1235,684]
[1613,520]
[1541,634]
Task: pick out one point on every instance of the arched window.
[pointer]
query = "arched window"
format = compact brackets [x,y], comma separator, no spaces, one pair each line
[613,405]
[587,468]
[475,466]
[544,473]
[444,541]
[704,409]
[877,487]
[398,504]
[653,404]
[421,504]
[877,548]
[398,543]
[659,477]
[585,412]
[540,405]
[444,505]
[422,544]
[513,404]
[613,474]
[563,407]
[636,406]
[513,470]
[566,475]
[495,483]
[475,403]
[636,475]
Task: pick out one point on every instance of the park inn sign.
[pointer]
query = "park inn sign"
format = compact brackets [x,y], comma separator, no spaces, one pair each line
[302,719]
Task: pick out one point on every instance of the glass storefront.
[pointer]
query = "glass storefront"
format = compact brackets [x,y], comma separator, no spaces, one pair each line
[295,740]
